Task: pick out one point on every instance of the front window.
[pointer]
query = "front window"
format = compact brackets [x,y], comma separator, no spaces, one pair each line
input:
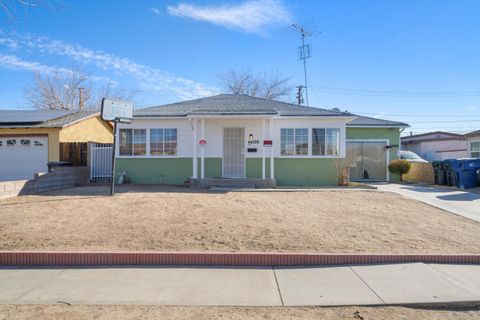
[326,141]
[133,142]
[475,149]
[126,142]
[163,142]
[294,142]
[139,142]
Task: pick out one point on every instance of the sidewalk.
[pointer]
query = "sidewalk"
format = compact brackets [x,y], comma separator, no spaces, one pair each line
[403,284]
[460,202]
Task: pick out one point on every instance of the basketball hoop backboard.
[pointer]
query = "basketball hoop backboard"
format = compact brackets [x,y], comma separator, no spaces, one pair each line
[117,110]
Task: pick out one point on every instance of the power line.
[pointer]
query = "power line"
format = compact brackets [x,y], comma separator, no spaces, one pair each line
[419,115]
[395,93]
[445,121]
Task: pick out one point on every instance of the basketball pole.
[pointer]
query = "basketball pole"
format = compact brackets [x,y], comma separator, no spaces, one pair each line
[112,185]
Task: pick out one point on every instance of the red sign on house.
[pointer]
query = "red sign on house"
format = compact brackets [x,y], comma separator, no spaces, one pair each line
[202,142]
[267,143]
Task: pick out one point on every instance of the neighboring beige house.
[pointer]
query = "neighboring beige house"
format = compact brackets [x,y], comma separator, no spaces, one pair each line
[29,139]
[473,144]
[436,145]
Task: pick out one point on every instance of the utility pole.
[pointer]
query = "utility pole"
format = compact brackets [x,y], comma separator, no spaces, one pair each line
[80,98]
[300,95]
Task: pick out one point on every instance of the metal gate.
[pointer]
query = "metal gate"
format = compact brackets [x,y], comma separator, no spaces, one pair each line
[100,161]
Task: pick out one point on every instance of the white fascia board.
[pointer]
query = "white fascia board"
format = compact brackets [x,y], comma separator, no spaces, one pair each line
[335,118]
[236,116]
[376,127]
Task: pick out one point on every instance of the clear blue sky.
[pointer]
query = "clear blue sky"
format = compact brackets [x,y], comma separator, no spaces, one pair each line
[401,60]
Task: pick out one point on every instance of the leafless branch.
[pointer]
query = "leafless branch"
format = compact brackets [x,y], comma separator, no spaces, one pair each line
[60,91]
[273,87]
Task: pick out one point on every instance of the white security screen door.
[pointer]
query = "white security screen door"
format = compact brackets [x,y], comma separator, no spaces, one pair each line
[233,152]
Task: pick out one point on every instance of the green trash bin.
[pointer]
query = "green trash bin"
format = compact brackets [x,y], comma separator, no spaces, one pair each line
[438,171]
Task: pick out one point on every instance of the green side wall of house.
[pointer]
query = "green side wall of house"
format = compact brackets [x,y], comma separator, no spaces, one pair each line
[288,171]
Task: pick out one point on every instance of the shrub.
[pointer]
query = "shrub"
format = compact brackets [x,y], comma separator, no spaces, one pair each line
[399,167]
[342,168]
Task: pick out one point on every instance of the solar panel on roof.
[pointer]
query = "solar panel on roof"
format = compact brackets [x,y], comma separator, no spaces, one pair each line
[31,116]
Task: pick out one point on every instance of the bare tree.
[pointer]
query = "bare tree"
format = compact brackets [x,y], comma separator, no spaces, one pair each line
[61,90]
[273,87]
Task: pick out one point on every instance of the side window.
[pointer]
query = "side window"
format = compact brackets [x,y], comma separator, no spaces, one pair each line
[475,149]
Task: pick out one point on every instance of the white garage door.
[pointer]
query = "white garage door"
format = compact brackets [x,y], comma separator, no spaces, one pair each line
[22,157]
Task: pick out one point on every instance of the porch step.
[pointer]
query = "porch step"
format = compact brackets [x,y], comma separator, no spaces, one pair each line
[234,183]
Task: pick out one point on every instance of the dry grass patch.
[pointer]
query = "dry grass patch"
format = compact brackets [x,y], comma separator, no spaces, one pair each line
[171,219]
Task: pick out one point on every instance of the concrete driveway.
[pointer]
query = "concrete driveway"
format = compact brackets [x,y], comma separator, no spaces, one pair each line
[460,202]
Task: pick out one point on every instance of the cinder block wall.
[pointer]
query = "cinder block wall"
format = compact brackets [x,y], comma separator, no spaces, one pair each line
[57,178]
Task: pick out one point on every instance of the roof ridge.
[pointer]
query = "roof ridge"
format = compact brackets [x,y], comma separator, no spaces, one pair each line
[249,97]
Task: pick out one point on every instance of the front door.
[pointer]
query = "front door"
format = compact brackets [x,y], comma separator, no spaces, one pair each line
[234,152]
[370,160]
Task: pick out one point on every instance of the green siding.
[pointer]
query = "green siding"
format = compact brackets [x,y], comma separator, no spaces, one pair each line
[392,134]
[305,172]
[254,168]
[213,167]
[150,170]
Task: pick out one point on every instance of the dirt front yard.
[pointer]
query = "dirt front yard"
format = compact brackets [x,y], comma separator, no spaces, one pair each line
[51,312]
[171,219]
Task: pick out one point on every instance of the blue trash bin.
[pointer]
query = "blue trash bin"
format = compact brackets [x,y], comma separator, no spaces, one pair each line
[467,173]
[452,172]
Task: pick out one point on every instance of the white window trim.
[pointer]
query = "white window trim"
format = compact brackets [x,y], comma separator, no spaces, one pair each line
[310,144]
[470,151]
[327,156]
[147,155]
[294,143]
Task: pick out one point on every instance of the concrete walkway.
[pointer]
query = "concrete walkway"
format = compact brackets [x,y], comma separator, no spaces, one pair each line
[462,203]
[414,283]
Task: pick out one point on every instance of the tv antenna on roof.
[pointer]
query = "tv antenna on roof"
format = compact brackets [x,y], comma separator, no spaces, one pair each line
[306,30]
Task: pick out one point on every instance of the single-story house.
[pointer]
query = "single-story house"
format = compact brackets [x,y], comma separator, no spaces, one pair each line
[438,145]
[473,144]
[238,136]
[29,139]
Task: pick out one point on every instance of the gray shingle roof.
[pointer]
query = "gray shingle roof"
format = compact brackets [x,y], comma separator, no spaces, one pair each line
[234,104]
[41,118]
[361,121]
[473,134]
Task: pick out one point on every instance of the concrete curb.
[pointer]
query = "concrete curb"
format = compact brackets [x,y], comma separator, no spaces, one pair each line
[83,258]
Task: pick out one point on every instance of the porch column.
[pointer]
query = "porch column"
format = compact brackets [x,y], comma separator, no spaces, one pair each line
[272,149]
[195,160]
[263,149]
[202,151]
